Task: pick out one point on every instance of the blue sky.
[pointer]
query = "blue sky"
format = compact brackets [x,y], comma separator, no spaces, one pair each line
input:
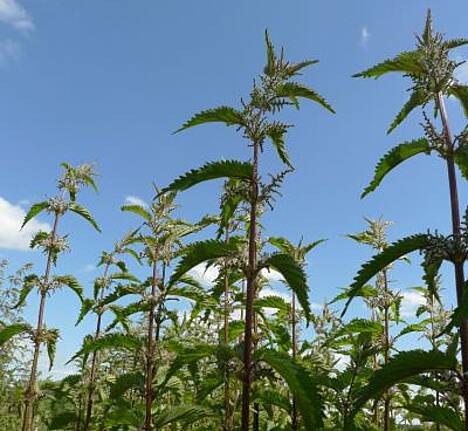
[107,82]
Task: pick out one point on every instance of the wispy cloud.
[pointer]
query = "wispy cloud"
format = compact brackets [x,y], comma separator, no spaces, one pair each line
[15,15]
[11,235]
[89,268]
[365,35]
[10,50]
[135,200]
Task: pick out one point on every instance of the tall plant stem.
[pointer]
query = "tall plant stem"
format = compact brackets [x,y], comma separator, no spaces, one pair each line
[434,347]
[386,350]
[30,394]
[294,424]
[94,360]
[256,406]
[227,422]
[251,277]
[150,350]
[456,231]
[375,366]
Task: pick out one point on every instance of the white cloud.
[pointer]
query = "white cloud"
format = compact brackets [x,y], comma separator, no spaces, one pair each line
[11,235]
[271,275]
[135,200]
[410,302]
[89,268]
[15,15]
[204,275]
[9,51]
[365,35]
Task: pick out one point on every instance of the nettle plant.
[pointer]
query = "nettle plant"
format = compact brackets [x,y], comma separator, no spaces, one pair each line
[274,90]
[432,73]
[108,288]
[52,245]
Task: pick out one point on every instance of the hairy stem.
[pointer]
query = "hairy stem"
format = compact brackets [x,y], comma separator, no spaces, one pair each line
[31,392]
[251,278]
[94,360]
[227,422]
[456,231]
[294,422]
[150,351]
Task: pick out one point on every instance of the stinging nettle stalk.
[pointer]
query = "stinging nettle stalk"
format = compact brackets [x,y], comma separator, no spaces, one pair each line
[274,90]
[52,245]
[432,73]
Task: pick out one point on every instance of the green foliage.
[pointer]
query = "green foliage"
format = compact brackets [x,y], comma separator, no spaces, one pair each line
[51,337]
[201,252]
[439,415]
[109,341]
[71,282]
[62,420]
[11,331]
[406,62]
[223,114]
[461,93]
[399,368]
[294,90]
[185,414]
[301,384]
[212,171]
[417,98]
[395,157]
[35,210]
[380,261]
[139,210]
[83,212]
[125,382]
[294,276]
[461,159]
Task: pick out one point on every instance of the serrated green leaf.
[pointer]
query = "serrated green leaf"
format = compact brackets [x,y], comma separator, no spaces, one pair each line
[461,160]
[185,414]
[83,212]
[418,98]
[293,274]
[438,415]
[301,384]
[406,62]
[51,338]
[203,251]
[34,211]
[293,90]
[395,157]
[71,282]
[212,171]
[276,132]
[109,341]
[455,43]
[222,114]
[11,331]
[137,209]
[461,93]
[30,281]
[127,381]
[400,367]
[380,261]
